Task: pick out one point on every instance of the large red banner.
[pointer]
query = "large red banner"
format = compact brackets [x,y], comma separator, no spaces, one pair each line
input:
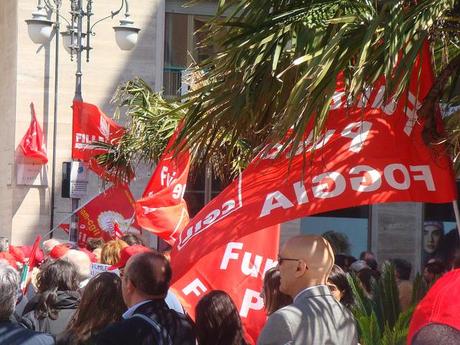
[237,268]
[372,153]
[162,208]
[110,211]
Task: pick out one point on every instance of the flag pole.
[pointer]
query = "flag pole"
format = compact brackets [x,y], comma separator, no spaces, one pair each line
[457,215]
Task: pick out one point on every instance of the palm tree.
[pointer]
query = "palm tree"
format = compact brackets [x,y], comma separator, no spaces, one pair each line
[276,68]
[277,63]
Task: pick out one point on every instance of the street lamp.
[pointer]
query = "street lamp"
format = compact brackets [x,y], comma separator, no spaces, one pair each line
[40,29]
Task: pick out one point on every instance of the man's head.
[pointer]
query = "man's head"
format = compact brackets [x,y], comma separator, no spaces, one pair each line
[9,285]
[81,262]
[48,245]
[146,276]
[403,268]
[304,261]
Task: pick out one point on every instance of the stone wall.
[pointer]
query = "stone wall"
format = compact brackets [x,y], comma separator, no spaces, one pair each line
[25,210]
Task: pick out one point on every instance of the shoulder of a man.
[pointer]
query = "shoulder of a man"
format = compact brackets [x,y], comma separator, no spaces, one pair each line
[15,334]
[136,330]
[122,332]
[278,328]
[40,339]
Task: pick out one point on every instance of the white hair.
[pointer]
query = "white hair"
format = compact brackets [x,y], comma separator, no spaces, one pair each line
[81,262]
[48,245]
[9,285]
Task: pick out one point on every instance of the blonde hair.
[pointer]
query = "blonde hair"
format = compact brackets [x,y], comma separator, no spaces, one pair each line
[110,254]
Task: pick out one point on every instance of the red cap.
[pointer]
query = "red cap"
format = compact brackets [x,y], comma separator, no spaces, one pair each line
[127,252]
[59,251]
[440,305]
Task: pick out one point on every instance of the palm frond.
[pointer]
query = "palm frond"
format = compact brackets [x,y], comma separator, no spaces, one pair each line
[277,63]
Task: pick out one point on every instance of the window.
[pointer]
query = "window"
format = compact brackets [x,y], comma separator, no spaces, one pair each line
[352,222]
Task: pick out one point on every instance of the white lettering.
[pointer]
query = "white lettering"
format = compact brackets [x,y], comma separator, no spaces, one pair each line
[357,132]
[424,176]
[275,200]
[300,193]
[229,254]
[389,173]
[195,287]
[368,182]
[251,300]
[254,270]
[322,189]
[411,114]
[178,191]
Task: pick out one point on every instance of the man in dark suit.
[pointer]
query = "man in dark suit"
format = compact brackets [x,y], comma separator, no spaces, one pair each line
[315,316]
[148,320]
[10,332]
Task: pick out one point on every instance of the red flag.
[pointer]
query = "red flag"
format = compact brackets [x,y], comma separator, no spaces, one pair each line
[110,209]
[237,268]
[372,153]
[162,208]
[32,144]
[32,261]
[65,227]
[90,124]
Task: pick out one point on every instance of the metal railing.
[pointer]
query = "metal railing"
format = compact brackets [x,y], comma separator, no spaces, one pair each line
[173,81]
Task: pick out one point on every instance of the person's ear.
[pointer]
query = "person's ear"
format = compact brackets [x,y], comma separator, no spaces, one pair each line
[130,287]
[301,268]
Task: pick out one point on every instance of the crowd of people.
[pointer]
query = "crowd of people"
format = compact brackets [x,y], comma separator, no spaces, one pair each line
[307,297]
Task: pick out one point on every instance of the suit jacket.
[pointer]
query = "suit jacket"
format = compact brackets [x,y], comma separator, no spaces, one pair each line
[314,318]
[136,331]
[13,334]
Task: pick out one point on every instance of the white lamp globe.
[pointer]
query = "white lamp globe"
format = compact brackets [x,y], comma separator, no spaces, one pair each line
[40,27]
[126,34]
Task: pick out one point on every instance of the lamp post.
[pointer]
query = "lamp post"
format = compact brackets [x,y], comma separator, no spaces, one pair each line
[40,29]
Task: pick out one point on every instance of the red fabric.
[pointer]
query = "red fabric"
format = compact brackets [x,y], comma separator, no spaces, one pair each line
[440,305]
[59,251]
[32,144]
[365,155]
[90,124]
[17,253]
[65,227]
[127,252]
[10,258]
[237,268]
[33,253]
[162,209]
[27,250]
[99,216]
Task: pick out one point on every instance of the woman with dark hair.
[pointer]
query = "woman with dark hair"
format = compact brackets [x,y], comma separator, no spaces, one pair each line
[217,320]
[273,298]
[101,304]
[56,301]
[339,286]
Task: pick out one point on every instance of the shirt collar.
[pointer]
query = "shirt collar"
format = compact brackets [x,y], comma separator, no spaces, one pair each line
[127,314]
[308,289]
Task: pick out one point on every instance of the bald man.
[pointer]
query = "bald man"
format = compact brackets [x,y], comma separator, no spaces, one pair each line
[315,316]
